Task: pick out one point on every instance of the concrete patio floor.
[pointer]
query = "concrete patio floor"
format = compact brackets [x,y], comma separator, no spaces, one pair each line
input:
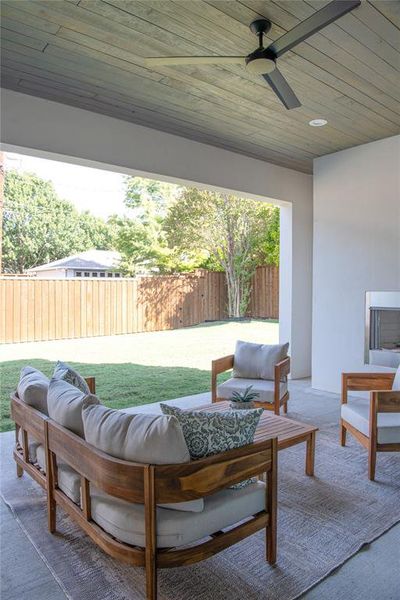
[372,573]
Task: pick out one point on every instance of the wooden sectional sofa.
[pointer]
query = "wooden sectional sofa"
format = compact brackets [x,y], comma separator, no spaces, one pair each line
[78,477]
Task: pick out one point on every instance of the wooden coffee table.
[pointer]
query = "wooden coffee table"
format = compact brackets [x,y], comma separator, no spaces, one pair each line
[289,432]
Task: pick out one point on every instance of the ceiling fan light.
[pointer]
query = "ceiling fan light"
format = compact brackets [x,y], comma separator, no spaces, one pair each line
[261,66]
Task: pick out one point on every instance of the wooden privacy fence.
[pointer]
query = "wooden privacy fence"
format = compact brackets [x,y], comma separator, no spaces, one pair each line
[50,309]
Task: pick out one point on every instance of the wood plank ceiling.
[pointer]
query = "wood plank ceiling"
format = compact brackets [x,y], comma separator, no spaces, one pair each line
[89,54]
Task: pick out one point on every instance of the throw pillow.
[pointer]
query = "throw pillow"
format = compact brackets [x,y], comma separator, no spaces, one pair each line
[65,403]
[208,433]
[144,438]
[257,361]
[32,388]
[68,374]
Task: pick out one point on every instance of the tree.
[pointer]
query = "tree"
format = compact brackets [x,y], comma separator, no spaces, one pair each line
[140,237]
[149,198]
[39,227]
[235,234]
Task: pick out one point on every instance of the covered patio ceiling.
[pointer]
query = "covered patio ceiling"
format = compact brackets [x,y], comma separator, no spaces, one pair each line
[90,54]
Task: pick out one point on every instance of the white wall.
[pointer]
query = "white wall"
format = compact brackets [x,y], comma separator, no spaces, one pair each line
[356,249]
[51,274]
[53,130]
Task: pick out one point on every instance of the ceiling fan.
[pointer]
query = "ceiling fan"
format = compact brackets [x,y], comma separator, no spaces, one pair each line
[262,61]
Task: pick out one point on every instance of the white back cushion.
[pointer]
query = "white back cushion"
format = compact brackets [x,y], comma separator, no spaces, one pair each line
[396,382]
[144,438]
[65,403]
[32,388]
[257,361]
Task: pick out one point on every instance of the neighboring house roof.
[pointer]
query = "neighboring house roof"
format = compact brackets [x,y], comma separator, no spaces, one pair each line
[92,259]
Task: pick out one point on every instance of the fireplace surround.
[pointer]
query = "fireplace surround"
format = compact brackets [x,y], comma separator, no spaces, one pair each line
[382,328]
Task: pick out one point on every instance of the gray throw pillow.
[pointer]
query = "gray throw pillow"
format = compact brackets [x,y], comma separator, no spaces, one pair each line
[32,388]
[144,438]
[65,403]
[66,373]
[208,433]
[257,361]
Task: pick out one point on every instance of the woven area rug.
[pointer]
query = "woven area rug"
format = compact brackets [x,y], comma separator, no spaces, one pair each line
[322,522]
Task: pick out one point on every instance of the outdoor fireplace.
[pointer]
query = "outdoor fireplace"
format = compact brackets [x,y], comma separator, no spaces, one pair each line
[382,331]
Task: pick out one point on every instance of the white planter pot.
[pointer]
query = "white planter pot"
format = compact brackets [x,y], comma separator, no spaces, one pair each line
[242,405]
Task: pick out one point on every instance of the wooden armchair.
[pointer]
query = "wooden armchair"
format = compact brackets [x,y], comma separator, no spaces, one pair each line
[376,425]
[278,394]
[151,485]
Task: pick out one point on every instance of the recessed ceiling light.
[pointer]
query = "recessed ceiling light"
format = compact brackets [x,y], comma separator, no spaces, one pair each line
[318,122]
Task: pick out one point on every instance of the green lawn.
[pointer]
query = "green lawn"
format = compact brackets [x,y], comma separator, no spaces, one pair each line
[135,369]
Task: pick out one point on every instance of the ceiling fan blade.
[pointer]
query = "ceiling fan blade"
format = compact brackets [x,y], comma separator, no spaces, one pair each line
[160,61]
[282,89]
[323,17]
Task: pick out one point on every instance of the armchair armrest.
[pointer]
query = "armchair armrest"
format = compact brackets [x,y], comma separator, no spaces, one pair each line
[220,365]
[282,370]
[365,382]
[91,381]
[386,401]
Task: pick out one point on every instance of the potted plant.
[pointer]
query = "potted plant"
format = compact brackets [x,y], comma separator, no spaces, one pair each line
[243,399]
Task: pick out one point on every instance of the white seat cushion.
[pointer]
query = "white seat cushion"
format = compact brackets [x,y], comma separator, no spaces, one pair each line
[125,521]
[69,480]
[32,446]
[263,386]
[357,414]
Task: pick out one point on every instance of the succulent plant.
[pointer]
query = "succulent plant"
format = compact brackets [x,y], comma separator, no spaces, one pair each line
[246,396]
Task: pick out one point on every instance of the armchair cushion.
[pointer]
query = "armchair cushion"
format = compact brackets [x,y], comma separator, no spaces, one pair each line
[264,387]
[396,382]
[65,403]
[257,361]
[125,520]
[67,373]
[32,388]
[357,414]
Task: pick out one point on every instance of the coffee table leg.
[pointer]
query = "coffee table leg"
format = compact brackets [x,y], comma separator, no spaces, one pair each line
[310,454]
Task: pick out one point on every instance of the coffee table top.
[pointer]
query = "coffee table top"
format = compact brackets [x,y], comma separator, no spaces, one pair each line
[288,431]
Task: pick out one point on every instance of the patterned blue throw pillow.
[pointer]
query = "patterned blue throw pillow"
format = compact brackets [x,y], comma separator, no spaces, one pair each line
[68,374]
[208,433]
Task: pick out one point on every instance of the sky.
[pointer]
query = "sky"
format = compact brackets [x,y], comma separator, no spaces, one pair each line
[99,192]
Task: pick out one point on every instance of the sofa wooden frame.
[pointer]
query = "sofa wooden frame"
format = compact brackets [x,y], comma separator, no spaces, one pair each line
[149,485]
[382,400]
[281,371]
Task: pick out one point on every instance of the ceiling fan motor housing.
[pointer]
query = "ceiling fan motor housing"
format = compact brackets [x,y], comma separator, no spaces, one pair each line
[260,62]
